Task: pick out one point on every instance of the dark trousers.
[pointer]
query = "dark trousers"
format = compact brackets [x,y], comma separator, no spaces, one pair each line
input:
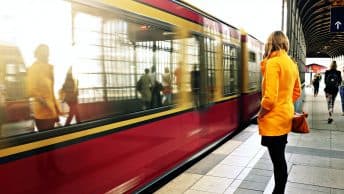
[316,89]
[73,110]
[44,124]
[341,91]
[156,97]
[330,98]
[276,147]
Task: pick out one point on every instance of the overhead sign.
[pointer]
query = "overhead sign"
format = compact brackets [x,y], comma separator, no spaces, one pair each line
[337,19]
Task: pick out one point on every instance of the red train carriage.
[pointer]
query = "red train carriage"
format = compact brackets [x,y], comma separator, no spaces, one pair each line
[203,83]
[251,76]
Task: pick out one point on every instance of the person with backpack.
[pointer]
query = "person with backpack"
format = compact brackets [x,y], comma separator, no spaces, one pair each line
[332,81]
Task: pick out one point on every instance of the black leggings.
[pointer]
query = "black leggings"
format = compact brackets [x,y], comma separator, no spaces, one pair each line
[330,98]
[276,147]
[316,89]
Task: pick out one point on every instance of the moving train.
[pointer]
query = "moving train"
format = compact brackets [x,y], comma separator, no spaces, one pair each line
[117,145]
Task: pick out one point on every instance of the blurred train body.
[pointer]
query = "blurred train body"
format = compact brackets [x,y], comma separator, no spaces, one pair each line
[118,147]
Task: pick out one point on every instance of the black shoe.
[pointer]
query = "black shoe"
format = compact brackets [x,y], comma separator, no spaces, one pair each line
[329,121]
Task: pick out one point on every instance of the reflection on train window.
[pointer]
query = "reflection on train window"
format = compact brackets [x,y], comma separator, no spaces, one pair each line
[235,70]
[253,71]
[260,58]
[108,53]
[163,59]
[118,61]
[87,43]
[230,69]
[226,69]
[116,53]
[144,56]
[209,52]
[192,61]
[176,59]
[14,104]
[252,57]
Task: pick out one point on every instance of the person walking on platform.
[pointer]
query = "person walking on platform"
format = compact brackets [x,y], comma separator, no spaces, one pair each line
[156,89]
[40,77]
[167,86]
[316,82]
[143,86]
[71,92]
[341,91]
[332,81]
[277,109]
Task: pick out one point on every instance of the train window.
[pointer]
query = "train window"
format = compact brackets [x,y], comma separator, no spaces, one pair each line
[234,70]
[163,51]
[102,55]
[122,51]
[87,43]
[252,57]
[253,71]
[192,61]
[226,69]
[104,47]
[209,52]
[23,28]
[97,55]
[144,57]
[14,104]
[118,61]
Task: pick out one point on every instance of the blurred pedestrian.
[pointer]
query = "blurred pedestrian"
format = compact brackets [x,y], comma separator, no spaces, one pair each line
[341,89]
[156,89]
[167,86]
[178,77]
[316,82]
[277,109]
[41,89]
[196,85]
[332,81]
[143,86]
[71,92]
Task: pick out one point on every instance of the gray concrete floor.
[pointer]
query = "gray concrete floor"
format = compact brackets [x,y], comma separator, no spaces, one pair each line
[243,166]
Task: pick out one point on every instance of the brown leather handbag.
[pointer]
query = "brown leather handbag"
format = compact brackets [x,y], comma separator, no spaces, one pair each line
[299,124]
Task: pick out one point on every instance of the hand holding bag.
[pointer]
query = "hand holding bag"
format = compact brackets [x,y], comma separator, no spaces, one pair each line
[299,124]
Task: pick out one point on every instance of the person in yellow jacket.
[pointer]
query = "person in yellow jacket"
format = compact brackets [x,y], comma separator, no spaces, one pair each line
[280,89]
[41,89]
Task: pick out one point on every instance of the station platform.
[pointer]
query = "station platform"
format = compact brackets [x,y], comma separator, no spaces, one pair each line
[242,165]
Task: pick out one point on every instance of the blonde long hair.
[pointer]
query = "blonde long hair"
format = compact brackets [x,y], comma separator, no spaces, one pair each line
[276,41]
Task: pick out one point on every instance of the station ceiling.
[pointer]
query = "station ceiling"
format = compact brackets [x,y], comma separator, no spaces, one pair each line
[315,17]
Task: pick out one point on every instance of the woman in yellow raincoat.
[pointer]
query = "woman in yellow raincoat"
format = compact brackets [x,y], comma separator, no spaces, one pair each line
[41,89]
[280,89]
